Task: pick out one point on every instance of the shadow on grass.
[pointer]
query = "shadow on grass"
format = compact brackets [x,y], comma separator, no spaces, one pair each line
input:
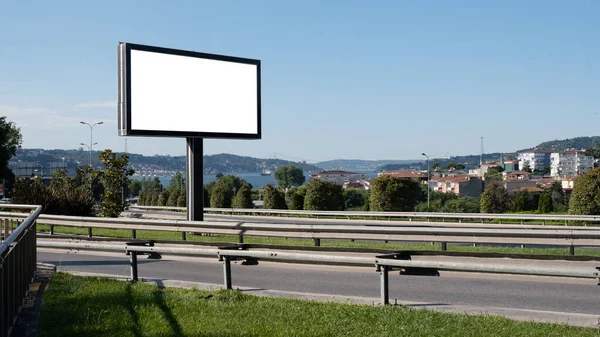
[130,306]
[158,296]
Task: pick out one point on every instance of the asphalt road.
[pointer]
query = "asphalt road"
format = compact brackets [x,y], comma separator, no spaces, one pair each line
[580,296]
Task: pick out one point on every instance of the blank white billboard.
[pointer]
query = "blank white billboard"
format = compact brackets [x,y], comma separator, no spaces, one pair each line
[167,92]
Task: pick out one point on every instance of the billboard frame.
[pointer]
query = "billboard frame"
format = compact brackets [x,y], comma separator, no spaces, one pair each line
[124,99]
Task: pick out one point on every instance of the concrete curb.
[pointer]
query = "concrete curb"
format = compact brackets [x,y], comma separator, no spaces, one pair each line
[537,316]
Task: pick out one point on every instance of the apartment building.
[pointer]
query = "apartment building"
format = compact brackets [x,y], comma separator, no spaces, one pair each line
[570,163]
[407,174]
[537,159]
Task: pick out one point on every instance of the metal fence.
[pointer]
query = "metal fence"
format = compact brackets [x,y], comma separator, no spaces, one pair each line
[383,264]
[542,218]
[17,264]
[569,237]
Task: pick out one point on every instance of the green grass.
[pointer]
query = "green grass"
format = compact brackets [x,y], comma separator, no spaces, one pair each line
[160,235]
[90,306]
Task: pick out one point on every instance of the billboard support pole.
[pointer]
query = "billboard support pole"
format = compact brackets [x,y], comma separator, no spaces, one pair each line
[194,180]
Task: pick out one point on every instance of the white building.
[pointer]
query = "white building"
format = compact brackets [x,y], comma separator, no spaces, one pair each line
[570,163]
[338,176]
[537,159]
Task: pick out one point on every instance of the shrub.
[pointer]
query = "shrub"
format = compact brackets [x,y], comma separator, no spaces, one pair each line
[323,196]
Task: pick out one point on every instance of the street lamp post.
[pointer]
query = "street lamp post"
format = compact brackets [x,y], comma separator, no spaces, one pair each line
[427,180]
[91,137]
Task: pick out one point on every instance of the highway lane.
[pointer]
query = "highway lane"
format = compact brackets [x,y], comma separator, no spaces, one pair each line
[578,296]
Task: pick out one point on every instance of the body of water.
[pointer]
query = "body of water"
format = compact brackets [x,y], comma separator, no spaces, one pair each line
[255,179]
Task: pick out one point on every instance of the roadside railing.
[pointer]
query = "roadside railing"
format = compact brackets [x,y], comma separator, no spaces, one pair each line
[17,263]
[383,264]
[570,237]
[410,216]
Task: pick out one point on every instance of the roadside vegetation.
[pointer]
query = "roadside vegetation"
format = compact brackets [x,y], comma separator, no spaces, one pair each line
[90,306]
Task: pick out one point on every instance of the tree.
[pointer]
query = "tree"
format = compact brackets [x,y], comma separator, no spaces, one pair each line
[354,199]
[177,182]
[115,178]
[163,199]
[462,205]
[559,200]
[154,200]
[323,196]
[10,140]
[393,194]
[494,173]
[273,199]
[181,200]
[495,199]
[173,195]
[221,196]
[527,166]
[585,198]
[435,165]
[243,198]
[135,186]
[545,204]
[289,175]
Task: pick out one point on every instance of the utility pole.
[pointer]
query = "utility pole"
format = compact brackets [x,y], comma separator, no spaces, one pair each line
[427,180]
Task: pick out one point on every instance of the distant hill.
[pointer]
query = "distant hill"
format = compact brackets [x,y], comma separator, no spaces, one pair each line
[358,164]
[223,163]
[563,144]
[470,162]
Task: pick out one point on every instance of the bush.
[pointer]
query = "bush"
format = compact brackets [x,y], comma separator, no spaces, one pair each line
[58,198]
[221,196]
[243,198]
[296,197]
[392,194]
[462,205]
[323,196]
[354,199]
[273,199]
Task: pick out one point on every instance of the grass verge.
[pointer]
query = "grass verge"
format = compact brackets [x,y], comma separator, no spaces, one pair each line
[160,235]
[82,306]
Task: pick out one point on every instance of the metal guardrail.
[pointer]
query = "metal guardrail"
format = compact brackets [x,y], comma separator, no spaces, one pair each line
[17,264]
[383,263]
[565,236]
[409,215]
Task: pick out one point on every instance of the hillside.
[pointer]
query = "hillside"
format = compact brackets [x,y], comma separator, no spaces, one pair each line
[358,164]
[563,144]
[470,162]
[224,163]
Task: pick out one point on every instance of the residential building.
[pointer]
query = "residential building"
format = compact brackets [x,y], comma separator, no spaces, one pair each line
[408,174]
[464,185]
[537,159]
[338,176]
[568,183]
[570,163]
[516,175]
[359,185]
[517,184]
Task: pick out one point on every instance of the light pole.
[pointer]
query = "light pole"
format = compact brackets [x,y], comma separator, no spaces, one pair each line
[427,180]
[91,137]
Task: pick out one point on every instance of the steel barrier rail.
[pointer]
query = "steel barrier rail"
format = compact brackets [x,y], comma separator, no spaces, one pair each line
[474,216]
[555,237]
[383,263]
[17,266]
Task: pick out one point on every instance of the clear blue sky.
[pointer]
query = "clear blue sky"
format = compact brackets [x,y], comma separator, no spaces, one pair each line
[341,79]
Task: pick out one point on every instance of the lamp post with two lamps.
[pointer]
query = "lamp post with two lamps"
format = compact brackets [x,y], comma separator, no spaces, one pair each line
[91,146]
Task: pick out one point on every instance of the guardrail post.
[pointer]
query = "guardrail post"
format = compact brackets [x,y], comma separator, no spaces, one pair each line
[571,250]
[240,238]
[227,271]
[444,247]
[598,273]
[51,229]
[89,232]
[133,234]
[133,266]
[385,290]
[183,236]
[317,242]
